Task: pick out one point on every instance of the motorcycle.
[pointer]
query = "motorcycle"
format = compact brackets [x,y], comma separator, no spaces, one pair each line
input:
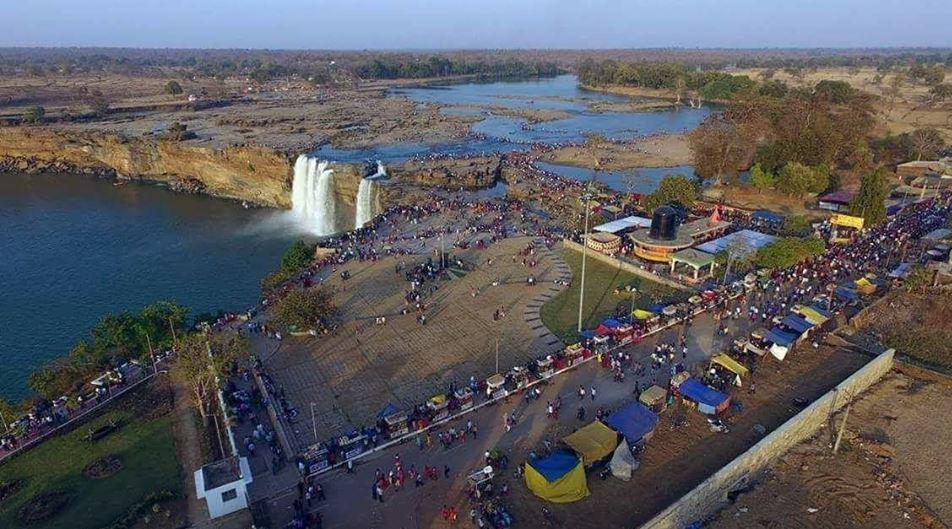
[718,426]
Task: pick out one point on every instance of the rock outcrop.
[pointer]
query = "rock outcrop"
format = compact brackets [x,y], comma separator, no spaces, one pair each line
[255,174]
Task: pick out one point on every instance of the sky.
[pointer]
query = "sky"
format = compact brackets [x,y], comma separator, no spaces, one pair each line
[448,24]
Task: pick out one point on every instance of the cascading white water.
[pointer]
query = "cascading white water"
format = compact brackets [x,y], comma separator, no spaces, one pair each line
[312,195]
[365,197]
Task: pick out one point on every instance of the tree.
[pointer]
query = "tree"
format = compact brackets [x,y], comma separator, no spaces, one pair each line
[173,88]
[8,413]
[870,202]
[836,91]
[34,114]
[739,254]
[934,75]
[795,226]
[794,179]
[941,92]
[722,146]
[297,256]
[788,251]
[926,143]
[308,309]
[201,359]
[673,189]
[761,179]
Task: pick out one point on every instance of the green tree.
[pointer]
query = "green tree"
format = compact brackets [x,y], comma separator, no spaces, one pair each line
[836,91]
[297,256]
[761,179]
[173,88]
[870,202]
[794,179]
[788,251]
[673,189]
[306,309]
[201,358]
[795,226]
[34,114]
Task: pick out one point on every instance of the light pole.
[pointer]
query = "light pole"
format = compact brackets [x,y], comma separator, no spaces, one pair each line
[314,422]
[581,289]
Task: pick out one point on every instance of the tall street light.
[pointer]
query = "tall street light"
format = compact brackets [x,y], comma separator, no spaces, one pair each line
[586,198]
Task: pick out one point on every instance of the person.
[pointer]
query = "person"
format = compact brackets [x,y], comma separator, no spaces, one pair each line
[581,392]
[581,413]
[593,392]
[446,471]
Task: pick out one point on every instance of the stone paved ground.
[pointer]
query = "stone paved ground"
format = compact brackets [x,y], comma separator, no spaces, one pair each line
[351,375]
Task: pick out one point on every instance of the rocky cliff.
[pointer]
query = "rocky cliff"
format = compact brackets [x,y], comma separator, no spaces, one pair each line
[256,174]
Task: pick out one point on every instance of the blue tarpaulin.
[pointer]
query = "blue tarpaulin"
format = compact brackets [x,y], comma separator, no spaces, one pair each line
[611,323]
[766,216]
[634,421]
[656,308]
[845,293]
[588,335]
[892,210]
[796,323]
[822,309]
[780,337]
[388,410]
[556,465]
[702,394]
[901,271]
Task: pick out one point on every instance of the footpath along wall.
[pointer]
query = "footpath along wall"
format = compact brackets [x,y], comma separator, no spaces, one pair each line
[624,265]
[711,495]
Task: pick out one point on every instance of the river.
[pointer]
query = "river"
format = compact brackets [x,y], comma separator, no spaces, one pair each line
[74,248]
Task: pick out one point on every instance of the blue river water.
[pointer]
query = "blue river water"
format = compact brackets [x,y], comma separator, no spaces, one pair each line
[501,134]
[73,249]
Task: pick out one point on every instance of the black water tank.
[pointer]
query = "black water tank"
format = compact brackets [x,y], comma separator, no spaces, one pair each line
[664,224]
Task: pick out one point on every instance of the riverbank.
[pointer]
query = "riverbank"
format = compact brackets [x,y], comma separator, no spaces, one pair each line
[663,150]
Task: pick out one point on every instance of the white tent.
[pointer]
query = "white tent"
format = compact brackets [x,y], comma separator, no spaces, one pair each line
[623,463]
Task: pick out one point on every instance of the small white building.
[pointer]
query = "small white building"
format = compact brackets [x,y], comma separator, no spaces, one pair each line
[224,485]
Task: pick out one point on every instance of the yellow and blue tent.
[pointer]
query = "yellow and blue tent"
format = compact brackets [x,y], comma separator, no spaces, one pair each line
[642,314]
[593,442]
[558,478]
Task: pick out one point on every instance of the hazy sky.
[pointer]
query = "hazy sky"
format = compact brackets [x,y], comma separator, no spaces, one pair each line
[360,24]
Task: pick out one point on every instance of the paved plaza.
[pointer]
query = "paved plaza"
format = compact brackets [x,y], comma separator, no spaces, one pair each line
[349,376]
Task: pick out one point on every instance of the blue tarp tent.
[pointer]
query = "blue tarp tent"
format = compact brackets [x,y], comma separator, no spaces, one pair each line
[780,337]
[766,216]
[656,308]
[846,293]
[634,421]
[611,323]
[709,400]
[822,308]
[796,323]
[892,210]
[388,410]
[901,271]
[588,335]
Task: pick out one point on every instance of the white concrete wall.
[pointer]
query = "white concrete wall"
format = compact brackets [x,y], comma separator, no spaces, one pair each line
[711,495]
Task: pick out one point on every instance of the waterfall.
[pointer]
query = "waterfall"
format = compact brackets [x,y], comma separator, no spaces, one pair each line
[365,196]
[312,195]
[365,205]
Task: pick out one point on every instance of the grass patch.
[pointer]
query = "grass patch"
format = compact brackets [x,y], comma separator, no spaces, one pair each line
[149,465]
[560,314]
